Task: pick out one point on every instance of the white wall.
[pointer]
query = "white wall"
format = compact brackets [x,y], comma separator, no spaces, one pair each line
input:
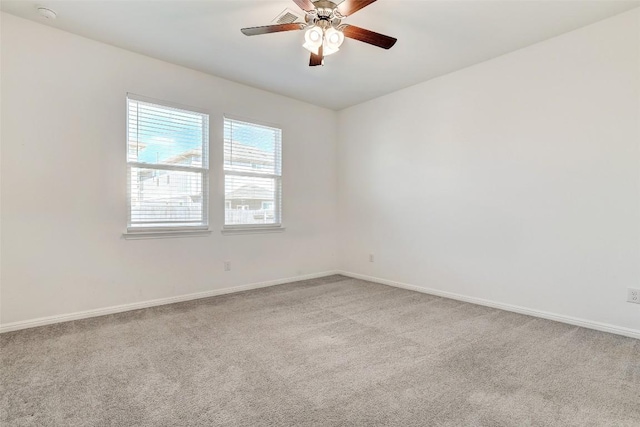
[64,180]
[515,180]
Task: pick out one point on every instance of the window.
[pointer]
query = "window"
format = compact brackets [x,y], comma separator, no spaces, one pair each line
[167,165]
[252,174]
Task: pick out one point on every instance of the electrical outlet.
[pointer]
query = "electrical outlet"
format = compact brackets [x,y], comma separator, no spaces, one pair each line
[370,257]
[633,295]
[227,266]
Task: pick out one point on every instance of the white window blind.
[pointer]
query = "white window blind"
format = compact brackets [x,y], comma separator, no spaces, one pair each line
[252,174]
[167,165]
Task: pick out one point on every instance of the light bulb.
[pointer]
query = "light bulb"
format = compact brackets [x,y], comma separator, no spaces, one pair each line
[314,36]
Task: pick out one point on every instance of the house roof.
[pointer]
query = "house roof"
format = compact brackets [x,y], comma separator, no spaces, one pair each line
[250,192]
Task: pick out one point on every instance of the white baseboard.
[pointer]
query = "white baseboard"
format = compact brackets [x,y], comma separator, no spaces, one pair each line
[605,327]
[42,321]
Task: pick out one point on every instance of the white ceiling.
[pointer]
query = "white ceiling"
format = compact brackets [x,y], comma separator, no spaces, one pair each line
[434,38]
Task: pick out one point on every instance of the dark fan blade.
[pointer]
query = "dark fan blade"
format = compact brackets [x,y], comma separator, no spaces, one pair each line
[349,7]
[316,59]
[370,37]
[256,31]
[305,5]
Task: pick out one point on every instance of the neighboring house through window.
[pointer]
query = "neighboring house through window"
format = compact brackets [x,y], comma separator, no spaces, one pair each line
[252,169]
[167,162]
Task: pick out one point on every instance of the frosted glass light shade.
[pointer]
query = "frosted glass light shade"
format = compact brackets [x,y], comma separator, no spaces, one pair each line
[313,39]
[332,41]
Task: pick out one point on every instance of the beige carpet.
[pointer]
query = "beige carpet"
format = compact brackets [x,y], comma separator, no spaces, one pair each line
[326,352]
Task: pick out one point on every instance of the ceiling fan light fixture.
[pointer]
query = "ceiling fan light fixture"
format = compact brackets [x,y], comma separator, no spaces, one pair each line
[311,48]
[329,51]
[313,39]
[333,39]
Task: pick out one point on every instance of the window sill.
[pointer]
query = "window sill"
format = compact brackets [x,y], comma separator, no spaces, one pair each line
[252,230]
[165,234]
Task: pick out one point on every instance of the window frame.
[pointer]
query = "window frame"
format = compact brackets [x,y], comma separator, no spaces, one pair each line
[278,225]
[165,231]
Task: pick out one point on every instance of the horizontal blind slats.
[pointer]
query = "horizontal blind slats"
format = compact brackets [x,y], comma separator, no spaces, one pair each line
[173,193]
[161,109]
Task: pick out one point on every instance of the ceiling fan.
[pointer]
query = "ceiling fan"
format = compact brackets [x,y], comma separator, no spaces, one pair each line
[325,31]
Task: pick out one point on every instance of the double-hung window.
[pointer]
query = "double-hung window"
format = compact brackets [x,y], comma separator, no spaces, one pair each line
[252,175]
[167,165]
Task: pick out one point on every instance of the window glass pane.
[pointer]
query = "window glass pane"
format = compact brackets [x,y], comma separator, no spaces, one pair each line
[252,163]
[165,197]
[165,135]
[251,148]
[251,200]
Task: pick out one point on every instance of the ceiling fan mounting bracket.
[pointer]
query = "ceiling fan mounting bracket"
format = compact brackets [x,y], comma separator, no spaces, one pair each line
[326,5]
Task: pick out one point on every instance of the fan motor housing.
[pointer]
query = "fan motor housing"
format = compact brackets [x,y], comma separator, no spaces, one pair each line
[326,5]
[325,14]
